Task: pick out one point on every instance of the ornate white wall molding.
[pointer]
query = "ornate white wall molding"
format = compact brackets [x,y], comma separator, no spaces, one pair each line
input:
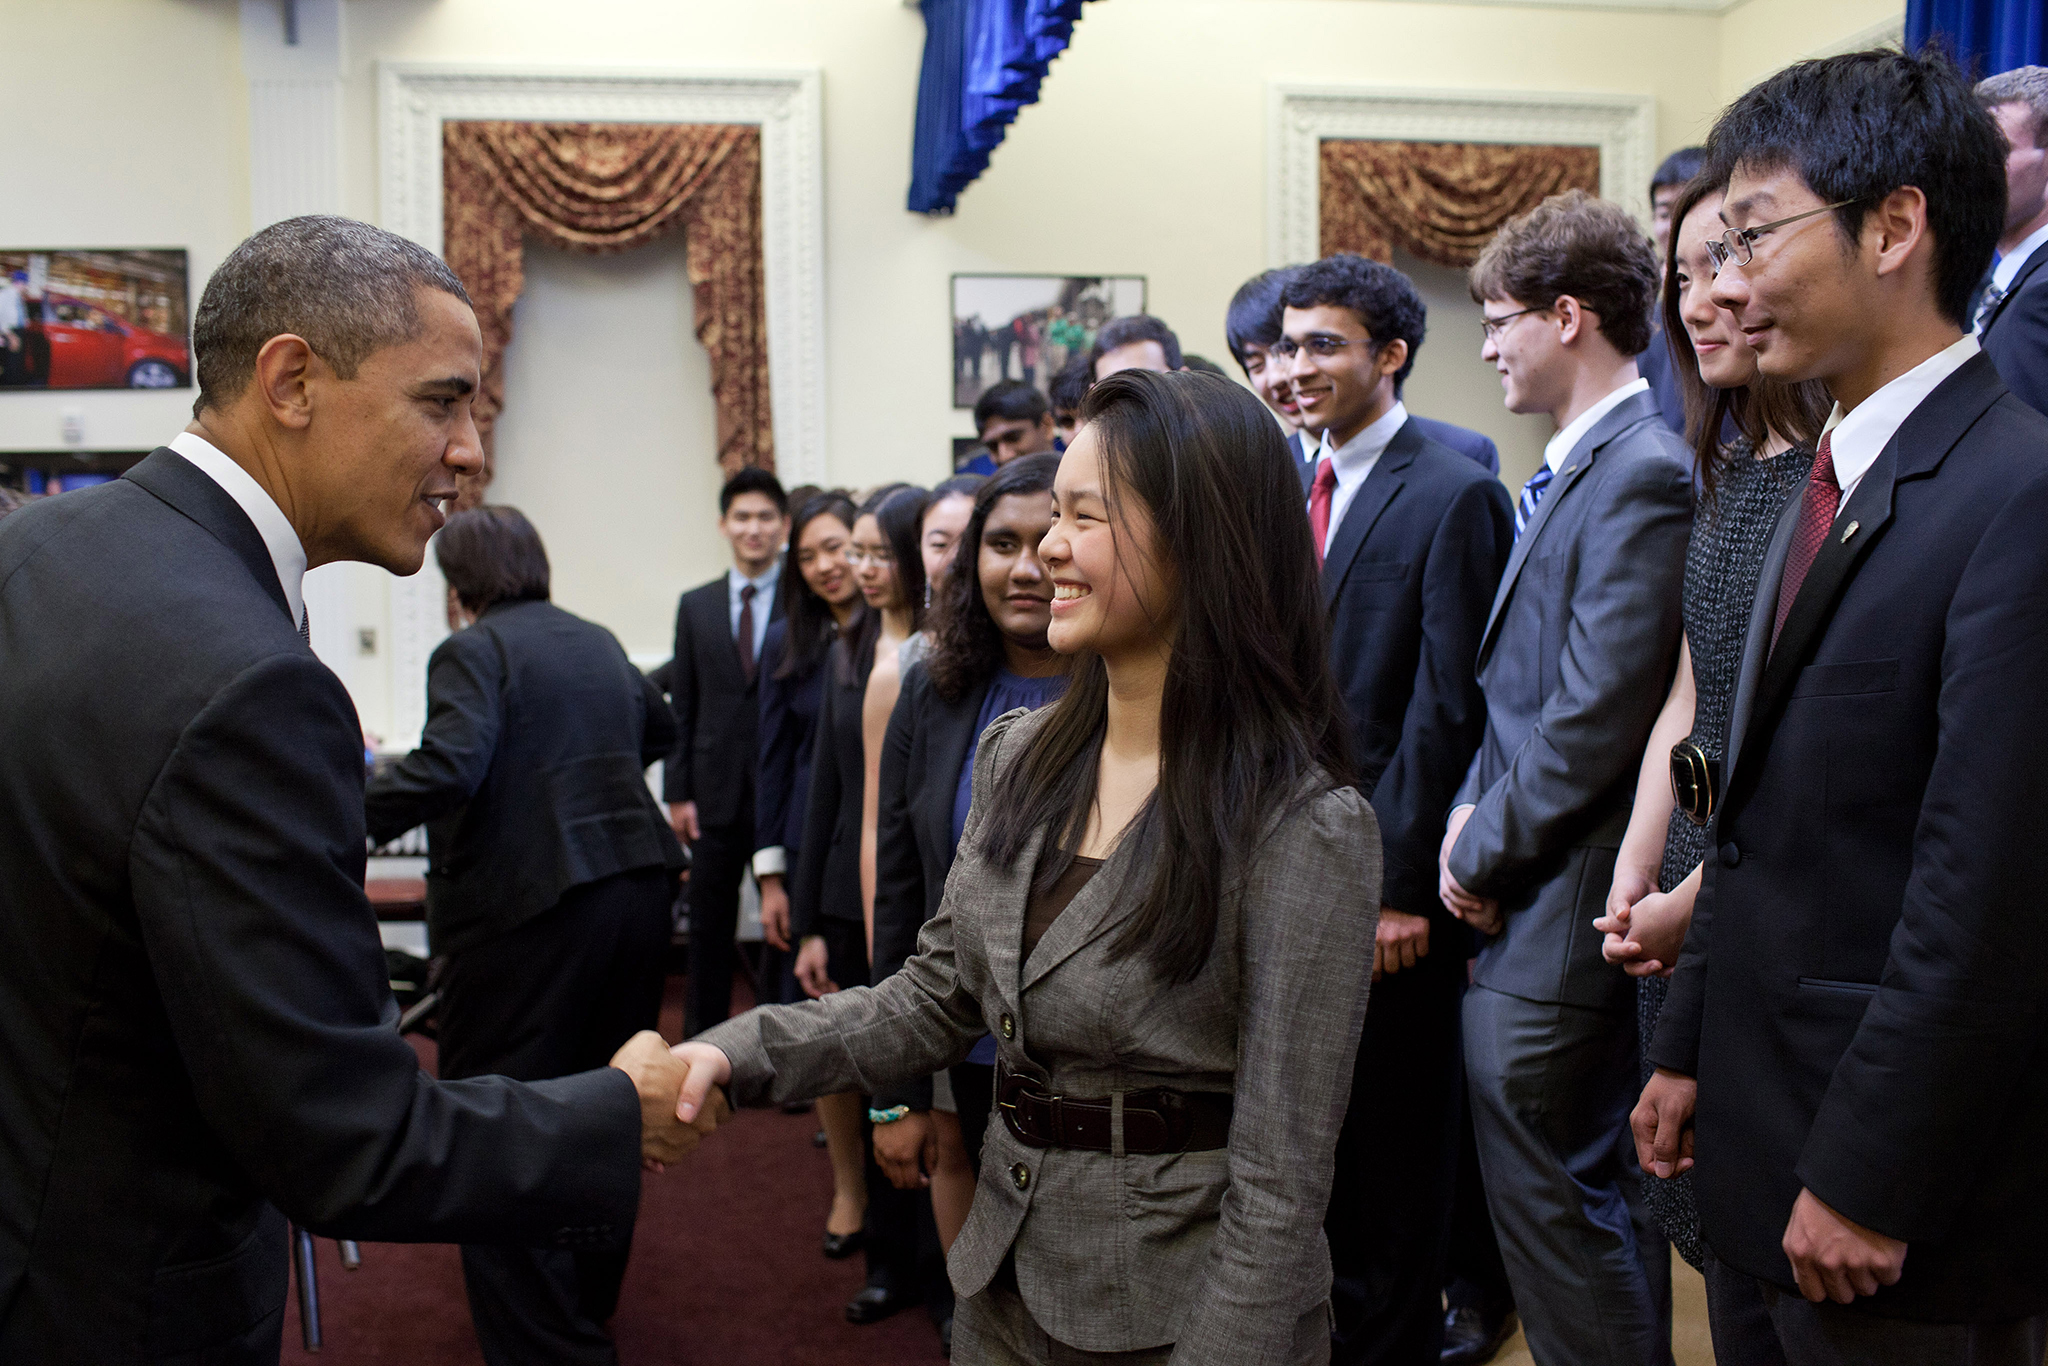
[415,98]
[1300,117]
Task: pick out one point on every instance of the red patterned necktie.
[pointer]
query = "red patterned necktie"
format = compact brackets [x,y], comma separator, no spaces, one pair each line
[1319,497]
[1817,510]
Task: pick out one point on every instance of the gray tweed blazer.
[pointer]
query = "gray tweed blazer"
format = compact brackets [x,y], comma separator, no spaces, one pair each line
[1219,1253]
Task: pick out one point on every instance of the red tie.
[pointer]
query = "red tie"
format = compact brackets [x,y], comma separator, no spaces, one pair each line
[745,639]
[1816,517]
[1319,495]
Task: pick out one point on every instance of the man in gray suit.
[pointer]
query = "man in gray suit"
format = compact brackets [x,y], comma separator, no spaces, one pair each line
[1575,660]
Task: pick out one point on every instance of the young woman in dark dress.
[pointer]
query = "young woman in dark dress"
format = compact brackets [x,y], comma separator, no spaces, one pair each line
[988,655]
[1743,486]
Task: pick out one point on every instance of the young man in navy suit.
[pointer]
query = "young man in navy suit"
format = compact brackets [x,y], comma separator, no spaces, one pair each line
[1412,537]
[708,781]
[2012,317]
[1855,1023]
[1253,327]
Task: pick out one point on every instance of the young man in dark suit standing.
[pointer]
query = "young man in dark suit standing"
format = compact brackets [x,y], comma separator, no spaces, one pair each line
[708,781]
[1856,1018]
[1412,537]
[199,1015]
[1575,660]
[1252,328]
[2012,317]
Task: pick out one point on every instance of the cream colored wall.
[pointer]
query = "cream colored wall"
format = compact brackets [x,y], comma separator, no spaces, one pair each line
[1762,36]
[128,127]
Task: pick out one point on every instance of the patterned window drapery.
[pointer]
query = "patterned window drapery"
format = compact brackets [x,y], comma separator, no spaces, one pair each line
[605,187]
[1438,201]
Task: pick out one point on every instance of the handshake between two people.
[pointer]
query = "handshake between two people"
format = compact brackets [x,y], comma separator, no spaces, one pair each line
[679,1100]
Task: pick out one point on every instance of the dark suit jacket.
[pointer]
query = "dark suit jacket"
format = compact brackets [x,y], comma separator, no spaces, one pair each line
[2016,335]
[827,882]
[1864,992]
[1655,365]
[198,1014]
[927,744]
[1409,577]
[1576,661]
[1472,445]
[788,739]
[717,710]
[532,771]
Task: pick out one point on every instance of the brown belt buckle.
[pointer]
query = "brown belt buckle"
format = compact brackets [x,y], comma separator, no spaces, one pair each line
[1012,1089]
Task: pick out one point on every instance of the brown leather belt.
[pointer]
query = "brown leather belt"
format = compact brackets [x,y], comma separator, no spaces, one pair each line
[1155,1121]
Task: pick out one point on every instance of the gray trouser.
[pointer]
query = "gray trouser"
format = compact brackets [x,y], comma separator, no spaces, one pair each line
[1551,1087]
[995,1328]
[1756,1324]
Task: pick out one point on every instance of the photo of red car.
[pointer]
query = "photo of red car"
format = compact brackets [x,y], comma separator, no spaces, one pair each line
[93,319]
[92,349]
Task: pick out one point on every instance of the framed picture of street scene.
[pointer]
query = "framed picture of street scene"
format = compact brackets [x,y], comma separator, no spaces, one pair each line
[91,319]
[1028,326]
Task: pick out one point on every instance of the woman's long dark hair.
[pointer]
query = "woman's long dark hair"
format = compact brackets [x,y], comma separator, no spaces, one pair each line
[1250,708]
[1795,411]
[898,510]
[967,647]
[809,621]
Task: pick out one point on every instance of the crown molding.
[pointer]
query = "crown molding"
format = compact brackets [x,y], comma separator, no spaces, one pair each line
[1300,117]
[416,98]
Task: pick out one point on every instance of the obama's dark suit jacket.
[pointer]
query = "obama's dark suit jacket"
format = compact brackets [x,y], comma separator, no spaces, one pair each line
[198,1017]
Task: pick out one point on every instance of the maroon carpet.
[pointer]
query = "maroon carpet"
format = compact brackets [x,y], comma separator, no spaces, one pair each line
[725,1270]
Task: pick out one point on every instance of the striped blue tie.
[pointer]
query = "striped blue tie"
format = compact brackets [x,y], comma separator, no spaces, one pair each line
[1531,499]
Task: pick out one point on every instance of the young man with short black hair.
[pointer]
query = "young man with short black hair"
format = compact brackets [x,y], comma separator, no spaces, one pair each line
[1011,419]
[1069,387]
[1575,660]
[1412,537]
[1252,328]
[2012,318]
[1856,1016]
[1138,342]
[709,781]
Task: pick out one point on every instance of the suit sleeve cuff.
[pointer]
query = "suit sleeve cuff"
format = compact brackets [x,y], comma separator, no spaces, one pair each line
[771,862]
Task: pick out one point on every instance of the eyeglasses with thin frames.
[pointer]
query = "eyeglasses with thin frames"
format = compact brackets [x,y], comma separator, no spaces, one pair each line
[857,557]
[1739,244]
[1492,326]
[1321,346]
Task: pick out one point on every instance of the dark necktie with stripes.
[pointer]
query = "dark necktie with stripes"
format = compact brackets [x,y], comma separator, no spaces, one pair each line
[1532,498]
[306,625]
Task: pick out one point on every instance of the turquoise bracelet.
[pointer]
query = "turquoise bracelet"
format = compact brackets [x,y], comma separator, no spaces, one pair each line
[888,1116]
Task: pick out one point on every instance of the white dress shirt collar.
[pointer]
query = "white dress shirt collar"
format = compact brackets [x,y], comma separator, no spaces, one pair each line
[1856,439]
[1354,460]
[1560,446]
[2009,264]
[286,553]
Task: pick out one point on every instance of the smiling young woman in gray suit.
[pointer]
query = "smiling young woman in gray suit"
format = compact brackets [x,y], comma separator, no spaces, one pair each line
[1162,907]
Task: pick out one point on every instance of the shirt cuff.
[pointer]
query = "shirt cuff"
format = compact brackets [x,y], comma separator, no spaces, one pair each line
[770,862]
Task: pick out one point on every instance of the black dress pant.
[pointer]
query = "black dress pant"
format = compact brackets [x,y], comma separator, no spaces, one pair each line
[718,865]
[1389,1220]
[549,998]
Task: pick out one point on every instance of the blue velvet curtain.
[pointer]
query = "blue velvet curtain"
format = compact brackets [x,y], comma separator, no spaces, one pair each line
[983,61]
[1986,36]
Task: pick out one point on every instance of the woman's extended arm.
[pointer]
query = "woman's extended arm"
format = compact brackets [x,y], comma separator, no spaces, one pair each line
[1642,848]
[1310,911]
[461,735]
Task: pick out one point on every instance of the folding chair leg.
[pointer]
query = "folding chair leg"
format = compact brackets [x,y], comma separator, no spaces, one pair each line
[309,1288]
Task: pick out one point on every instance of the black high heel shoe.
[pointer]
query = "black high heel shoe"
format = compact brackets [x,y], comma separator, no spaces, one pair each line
[839,1246]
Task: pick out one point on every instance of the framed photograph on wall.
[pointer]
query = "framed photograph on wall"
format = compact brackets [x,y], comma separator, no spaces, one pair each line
[91,319]
[1029,326]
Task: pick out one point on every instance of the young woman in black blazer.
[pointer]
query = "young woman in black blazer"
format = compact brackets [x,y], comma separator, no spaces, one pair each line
[821,601]
[988,656]
[828,914]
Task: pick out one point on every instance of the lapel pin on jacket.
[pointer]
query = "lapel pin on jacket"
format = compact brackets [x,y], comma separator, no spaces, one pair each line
[1850,530]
